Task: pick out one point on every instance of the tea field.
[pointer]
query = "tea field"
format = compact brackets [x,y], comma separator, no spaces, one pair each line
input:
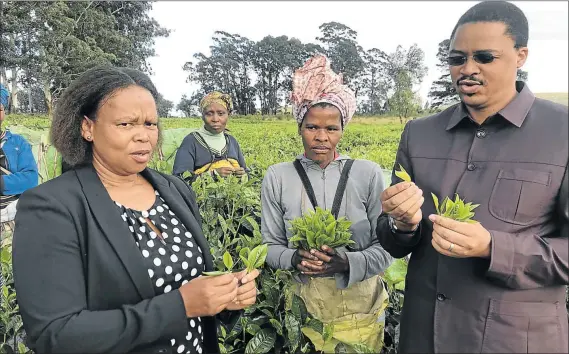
[263,141]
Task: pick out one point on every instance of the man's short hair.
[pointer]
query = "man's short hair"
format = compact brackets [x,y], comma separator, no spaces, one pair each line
[499,11]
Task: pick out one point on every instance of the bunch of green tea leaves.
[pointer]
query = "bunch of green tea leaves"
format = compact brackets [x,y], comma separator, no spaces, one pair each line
[318,228]
[254,259]
[455,210]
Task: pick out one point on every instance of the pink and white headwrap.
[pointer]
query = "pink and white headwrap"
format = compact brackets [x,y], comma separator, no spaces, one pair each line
[314,83]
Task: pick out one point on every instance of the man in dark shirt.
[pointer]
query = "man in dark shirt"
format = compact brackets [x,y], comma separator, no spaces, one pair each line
[497,285]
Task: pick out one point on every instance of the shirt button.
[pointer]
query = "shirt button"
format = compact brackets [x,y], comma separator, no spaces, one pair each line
[471,167]
[481,133]
[441,297]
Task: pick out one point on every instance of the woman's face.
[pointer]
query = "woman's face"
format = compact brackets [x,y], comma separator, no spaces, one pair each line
[1,113]
[321,131]
[215,118]
[125,131]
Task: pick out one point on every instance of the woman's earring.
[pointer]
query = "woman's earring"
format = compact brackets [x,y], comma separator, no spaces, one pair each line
[88,137]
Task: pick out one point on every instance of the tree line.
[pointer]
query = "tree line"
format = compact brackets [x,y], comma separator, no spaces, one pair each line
[45,45]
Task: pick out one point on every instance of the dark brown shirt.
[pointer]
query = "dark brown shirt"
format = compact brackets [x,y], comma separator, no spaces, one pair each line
[513,166]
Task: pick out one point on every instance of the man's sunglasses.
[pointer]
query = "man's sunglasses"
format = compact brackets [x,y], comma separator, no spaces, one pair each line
[479,57]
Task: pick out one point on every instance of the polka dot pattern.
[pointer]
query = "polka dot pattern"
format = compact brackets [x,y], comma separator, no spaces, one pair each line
[170,262]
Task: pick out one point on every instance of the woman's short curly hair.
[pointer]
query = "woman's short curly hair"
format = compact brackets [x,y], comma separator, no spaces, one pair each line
[84,96]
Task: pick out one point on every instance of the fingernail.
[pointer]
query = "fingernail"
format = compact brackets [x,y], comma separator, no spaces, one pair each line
[312,251]
[244,280]
[432,217]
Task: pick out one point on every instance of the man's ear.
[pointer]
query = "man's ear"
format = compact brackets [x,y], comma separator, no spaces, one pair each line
[522,56]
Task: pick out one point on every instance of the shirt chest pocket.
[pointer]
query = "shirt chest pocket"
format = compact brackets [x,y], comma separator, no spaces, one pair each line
[520,196]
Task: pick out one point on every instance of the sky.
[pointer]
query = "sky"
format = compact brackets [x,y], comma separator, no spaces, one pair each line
[379,24]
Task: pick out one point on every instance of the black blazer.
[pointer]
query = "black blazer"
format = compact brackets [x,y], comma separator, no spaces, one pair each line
[80,280]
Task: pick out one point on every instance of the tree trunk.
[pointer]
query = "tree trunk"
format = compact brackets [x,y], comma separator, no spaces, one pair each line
[47,96]
[14,93]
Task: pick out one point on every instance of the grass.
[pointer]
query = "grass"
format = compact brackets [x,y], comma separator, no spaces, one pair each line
[557,97]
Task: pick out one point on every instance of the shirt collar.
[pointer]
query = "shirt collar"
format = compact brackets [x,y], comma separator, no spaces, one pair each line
[515,112]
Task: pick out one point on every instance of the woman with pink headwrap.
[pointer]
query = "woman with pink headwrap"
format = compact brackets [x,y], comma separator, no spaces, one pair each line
[340,286]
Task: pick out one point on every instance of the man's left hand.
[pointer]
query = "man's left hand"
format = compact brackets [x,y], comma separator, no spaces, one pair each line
[332,262]
[460,239]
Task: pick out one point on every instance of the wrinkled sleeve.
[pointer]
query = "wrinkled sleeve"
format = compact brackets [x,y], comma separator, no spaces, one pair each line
[51,290]
[397,244]
[279,255]
[185,157]
[526,260]
[374,259]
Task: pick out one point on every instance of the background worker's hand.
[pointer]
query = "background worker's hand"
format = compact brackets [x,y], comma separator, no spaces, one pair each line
[225,171]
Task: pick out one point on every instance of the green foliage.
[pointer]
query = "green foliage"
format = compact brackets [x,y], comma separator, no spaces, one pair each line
[11,326]
[318,228]
[455,210]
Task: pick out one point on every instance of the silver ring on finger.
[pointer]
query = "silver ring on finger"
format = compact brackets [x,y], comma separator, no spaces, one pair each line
[450,247]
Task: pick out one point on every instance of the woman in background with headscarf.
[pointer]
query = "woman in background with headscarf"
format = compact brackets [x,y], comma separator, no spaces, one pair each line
[210,148]
[340,286]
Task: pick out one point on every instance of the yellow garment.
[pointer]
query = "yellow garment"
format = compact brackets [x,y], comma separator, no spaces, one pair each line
[217,97]
[357,313]
[217,164]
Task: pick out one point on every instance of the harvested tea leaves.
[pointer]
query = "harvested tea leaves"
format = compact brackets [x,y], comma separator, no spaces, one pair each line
[318,228]
[455,210]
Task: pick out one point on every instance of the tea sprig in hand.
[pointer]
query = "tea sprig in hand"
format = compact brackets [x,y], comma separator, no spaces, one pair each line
[455,233]
[403,174]
[252,260]
[455,210]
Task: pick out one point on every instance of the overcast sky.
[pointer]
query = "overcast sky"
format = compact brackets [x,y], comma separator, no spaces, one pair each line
[379,24]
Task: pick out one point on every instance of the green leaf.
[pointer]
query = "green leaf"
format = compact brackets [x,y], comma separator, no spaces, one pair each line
[277,325]
[298,308]
[395,274]
[403,174]
[436,202]
[257,257]
[328,332]
[228,260]
[244,254]
[316,325]
[293,331]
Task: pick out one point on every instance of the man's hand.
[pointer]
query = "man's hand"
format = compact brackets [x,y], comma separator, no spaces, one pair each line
[460,239]
[403,202]
[331,262]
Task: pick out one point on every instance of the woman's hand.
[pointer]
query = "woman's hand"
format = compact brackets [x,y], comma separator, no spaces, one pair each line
[247,292]
[239,171]
[208,296]
[331,262]
[302,258]
[225,171]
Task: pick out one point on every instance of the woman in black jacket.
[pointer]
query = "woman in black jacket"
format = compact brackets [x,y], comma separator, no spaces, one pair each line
[108,257]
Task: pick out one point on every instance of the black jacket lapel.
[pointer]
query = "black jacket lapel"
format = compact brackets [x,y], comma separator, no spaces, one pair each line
[178,200]
[115,230]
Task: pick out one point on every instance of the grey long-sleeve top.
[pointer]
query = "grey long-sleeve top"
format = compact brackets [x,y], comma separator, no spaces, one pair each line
[283,198]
